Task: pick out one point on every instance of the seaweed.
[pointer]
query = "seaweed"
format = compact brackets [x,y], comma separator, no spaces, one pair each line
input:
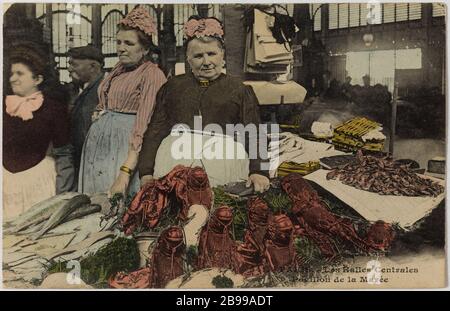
[122,254]
[239,211]
[308,252]
[116,198]
[221,281]
[278,201]
[191,255]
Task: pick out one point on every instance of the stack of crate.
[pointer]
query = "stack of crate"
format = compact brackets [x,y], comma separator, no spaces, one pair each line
[348,136]
[287,168]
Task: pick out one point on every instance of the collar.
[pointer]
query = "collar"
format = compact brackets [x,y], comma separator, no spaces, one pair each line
[203,83]
[135,66]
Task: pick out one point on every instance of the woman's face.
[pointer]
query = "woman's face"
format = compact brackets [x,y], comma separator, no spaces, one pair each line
[205,58]
[129,49]
[23,82]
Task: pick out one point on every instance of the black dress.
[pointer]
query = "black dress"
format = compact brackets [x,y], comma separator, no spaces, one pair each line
[223,101]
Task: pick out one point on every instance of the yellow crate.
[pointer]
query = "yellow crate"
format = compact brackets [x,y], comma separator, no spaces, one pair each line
[374,146]
[303,168]
[357,127]
[348,136]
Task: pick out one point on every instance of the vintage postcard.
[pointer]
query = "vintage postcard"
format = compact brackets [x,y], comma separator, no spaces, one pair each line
[204,146]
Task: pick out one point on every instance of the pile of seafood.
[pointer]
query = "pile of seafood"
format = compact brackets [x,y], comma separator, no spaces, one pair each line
[72,227]
[384,176]
[65,227]
[189,185]
[268,244]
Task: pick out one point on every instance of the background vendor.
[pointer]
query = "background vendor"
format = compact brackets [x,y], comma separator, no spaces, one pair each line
[85,67]
[34,122]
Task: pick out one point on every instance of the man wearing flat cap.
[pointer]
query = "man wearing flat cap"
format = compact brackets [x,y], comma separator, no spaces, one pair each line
[86,68]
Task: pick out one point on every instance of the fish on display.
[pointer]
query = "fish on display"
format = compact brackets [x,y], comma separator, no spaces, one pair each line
[40,212]
[61,214]
[84,210]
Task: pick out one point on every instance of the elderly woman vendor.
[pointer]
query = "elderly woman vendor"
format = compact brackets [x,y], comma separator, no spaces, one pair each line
[126,101]
[204,92]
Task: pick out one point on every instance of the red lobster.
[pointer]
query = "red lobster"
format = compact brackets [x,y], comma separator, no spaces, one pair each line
[279,243]
[167,257]
[146,207]
[250,254]
[166,264]
[137,279]
[380,235]
[216,247]
[191,186]
[319,223]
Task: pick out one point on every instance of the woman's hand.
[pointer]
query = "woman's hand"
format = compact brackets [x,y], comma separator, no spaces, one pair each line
[122,181]
[120,184]
[146,179]
[260,183]
[96,115]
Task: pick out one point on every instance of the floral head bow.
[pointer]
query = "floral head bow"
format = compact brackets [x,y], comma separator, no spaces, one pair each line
[139,18]
[209,27]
